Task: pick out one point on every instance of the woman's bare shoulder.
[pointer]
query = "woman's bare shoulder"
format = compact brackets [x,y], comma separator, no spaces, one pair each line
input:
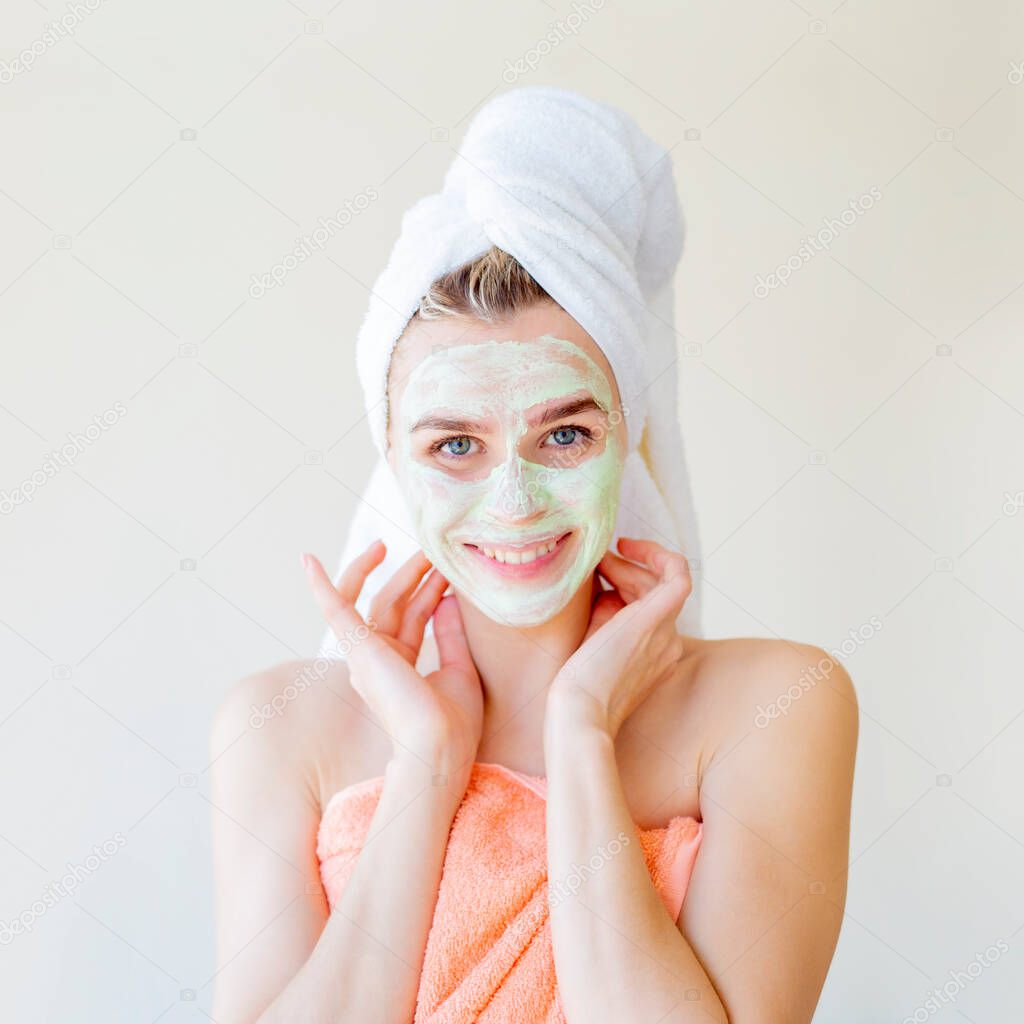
[748,664]
[739,685]
[300,720]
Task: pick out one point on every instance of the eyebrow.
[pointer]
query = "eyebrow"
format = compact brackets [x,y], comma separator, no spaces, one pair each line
[559,412]
[556,412]
[444,423]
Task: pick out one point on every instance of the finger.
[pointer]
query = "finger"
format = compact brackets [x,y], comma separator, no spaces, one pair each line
[631,580]
[388,603]
[660,559]
[452,646]
[351,581]
[656,609]
[339,612]
[419,609]
[669,596]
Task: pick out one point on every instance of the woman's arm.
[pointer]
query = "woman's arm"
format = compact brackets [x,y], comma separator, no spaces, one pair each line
[282,956]
[618,954]
[763,910]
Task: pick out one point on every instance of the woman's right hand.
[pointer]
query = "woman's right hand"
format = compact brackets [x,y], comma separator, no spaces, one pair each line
[435,720]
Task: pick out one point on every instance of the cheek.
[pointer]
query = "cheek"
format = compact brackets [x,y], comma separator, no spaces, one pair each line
[434,500]
[593,488]
[439,492]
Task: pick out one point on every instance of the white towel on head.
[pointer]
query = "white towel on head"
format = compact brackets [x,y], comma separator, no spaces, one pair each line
[586,202]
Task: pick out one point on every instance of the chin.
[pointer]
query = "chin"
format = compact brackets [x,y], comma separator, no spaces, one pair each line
[495,606]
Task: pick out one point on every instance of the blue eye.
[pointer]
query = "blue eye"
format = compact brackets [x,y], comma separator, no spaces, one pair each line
[462,446]
[576,436]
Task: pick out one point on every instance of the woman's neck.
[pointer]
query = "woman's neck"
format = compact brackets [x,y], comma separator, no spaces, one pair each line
[517,666]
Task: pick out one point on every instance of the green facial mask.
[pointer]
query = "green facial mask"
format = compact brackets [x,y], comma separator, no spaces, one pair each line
[535,489]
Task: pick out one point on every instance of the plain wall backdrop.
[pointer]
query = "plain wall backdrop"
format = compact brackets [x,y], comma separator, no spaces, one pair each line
[854,421]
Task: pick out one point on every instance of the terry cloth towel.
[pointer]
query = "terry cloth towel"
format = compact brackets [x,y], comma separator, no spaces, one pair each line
[489,956]
[573,189]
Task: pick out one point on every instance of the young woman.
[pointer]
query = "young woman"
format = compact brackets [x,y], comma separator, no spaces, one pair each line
[506,432]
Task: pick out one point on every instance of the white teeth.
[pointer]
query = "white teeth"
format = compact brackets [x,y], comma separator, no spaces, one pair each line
[510,557]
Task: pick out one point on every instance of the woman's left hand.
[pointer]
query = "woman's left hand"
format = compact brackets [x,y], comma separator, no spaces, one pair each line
[631,644]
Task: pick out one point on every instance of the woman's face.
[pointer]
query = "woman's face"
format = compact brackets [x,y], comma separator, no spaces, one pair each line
[508,449]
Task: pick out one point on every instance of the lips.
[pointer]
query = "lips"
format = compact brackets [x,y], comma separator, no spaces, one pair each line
[520,560]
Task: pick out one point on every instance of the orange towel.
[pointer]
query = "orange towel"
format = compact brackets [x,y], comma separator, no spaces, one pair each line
[489,956]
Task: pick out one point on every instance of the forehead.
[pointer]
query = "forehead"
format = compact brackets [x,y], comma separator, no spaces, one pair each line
[541,354]
[503,377]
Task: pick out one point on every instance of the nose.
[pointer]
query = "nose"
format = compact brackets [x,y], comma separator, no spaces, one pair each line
[516,495]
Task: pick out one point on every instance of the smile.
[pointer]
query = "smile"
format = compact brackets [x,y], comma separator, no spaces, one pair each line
[520,560]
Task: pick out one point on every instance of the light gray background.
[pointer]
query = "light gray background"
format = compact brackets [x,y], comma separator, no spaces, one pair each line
[855,435]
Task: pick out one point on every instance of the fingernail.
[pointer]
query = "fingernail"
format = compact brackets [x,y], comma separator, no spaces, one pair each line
[304,560]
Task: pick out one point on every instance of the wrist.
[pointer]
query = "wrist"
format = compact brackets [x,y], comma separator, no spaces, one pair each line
[571,710]
[575,734]
[573,748]
[442,778]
